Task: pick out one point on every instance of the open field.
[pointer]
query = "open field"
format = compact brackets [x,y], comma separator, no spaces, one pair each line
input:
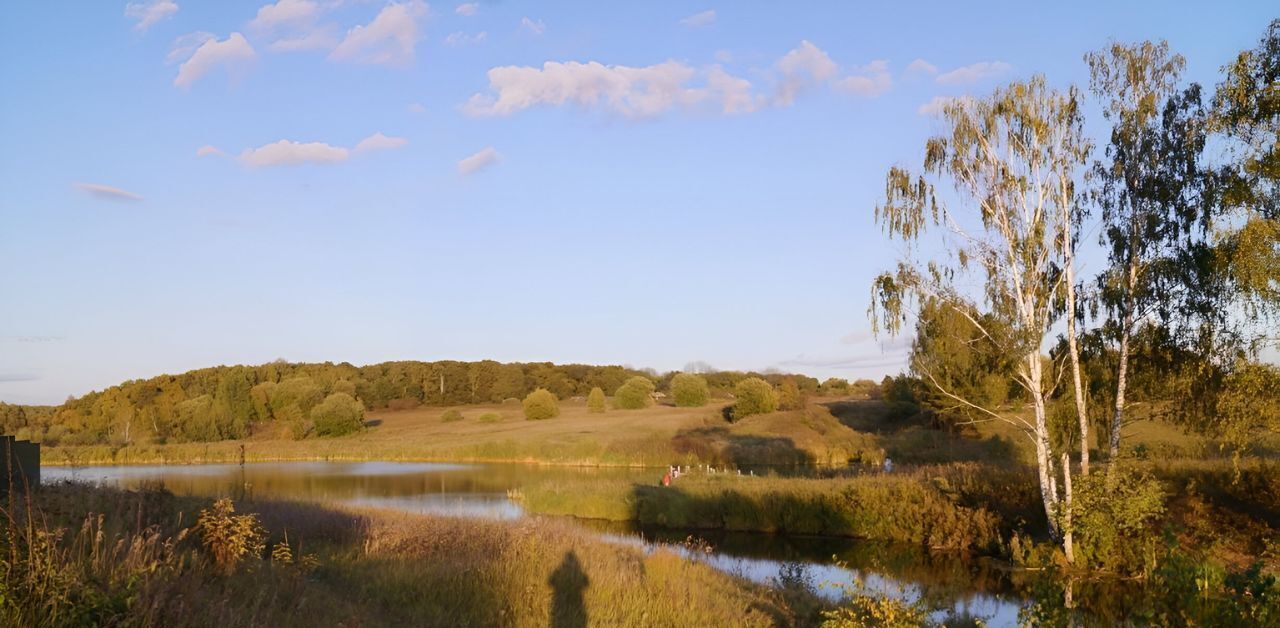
[655,436]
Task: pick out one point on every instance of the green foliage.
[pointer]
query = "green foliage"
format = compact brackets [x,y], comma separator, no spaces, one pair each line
[965,359]
[338,415]
[689,390]
[490,417]
[1114,521]
[595,400]
[541,404]
[862,607]
[1248,405]
[635,394]
[451,416]
[753,396]
[230,538]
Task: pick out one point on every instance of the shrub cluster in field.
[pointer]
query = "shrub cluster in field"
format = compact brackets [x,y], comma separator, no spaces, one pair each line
[541,404]
[635,394]
[754,396]
[689,391]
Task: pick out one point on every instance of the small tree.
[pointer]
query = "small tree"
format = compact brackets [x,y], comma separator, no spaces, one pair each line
[337,415]
[789,395]
[541,404]
[755,396]
[595,400]
[635,394]
[230,538]
[690,391]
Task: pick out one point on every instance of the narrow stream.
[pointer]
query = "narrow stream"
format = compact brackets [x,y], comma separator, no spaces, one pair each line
[969,587]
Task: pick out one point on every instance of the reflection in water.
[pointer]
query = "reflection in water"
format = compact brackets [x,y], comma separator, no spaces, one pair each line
[460,490]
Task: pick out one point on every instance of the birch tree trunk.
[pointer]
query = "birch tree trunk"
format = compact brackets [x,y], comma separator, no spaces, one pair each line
[1122,370]
[1073,347]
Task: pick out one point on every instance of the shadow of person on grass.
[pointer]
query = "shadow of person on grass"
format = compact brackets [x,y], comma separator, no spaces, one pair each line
[568,582]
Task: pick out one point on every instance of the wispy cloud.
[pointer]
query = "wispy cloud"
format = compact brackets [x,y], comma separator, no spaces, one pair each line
[6,378]
[378,141]
[698,20]
[479,161]
[467,8]
[106,192]
[389,39]
[868,81]
[233,53]
[937,104]
[920,66]
[149,14]
[290,153]
[804,66]
[293,26]
[463,39]
[209,151]
[974,73]
[537,27]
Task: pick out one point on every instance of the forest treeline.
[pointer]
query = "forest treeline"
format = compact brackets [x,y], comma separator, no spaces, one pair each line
[298,400]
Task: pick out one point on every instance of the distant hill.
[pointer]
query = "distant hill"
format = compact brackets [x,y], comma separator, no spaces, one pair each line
[227,402]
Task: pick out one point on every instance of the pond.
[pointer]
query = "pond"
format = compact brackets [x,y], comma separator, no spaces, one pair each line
[971,587]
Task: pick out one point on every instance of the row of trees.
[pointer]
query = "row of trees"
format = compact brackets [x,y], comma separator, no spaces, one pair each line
[230,401]
[1190,287]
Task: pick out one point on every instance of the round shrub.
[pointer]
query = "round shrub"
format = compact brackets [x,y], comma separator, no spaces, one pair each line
[451,416]
[337,415]
[690,391]
[595,400]
[541,404]
[755,396]
[490,417]
[634,394]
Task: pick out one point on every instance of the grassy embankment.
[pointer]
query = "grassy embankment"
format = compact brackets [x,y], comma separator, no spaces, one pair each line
[98,556]
[655,436]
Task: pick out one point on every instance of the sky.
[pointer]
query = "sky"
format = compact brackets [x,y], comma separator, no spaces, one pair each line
[186,184]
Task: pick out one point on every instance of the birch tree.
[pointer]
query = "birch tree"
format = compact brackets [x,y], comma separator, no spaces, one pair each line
[1003,225]
[1149,189]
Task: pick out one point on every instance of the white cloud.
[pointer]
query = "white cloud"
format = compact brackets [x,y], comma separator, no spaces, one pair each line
[320,38]
[697,20]
[285,13]
[293,26]
[288,153]
[733,93]
[635,92]
[479,161]
[185,46]
[463,39]
[802,67]
[378,141]
[150,13]
[389,39]
[533,26]
[106,192]
[937,104]
[416,107]
[209,150]
[973,73]
[870,80]
[467,8]
[920,66]
[232,52]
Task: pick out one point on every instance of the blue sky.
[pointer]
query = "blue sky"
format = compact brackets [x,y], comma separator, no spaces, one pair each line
[185,184]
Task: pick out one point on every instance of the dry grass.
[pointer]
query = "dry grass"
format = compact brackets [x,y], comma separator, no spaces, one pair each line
[133,565]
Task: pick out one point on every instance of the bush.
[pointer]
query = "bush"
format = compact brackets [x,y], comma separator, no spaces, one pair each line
[229,537]
[595,400]
[789,395]
[337,415]
[635,394]
[690,391]
[754,396]
[1115,526]
[490,417]
[451,416]
[541,404]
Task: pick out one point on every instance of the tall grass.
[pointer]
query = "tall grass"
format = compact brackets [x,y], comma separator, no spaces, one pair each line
[134,559]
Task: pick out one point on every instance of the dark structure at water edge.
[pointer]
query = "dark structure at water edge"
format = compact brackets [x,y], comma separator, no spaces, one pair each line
[19,463]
